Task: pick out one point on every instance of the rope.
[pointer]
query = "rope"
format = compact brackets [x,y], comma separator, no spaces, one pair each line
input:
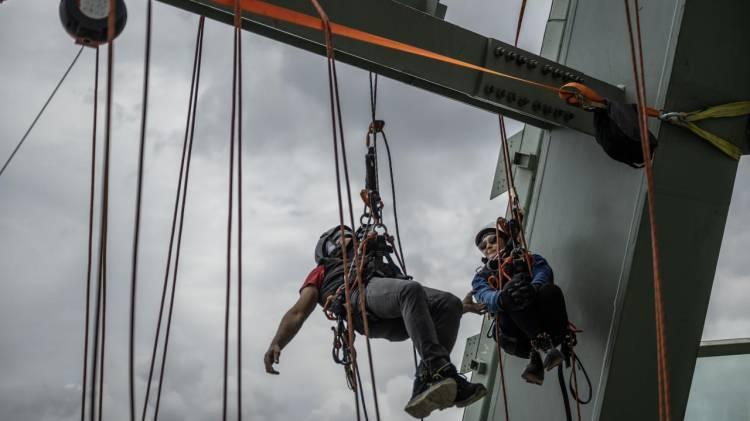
[39,114]
[89,248]
[134,271]
[520,22]
[574,357]
[337,130]
[189,135]
[234,137]
[565,398]
[663,375]
[238,37]
[104,336]
[502,369]
[101,302]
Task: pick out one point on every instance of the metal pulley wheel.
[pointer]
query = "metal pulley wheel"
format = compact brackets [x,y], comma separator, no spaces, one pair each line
[86,20]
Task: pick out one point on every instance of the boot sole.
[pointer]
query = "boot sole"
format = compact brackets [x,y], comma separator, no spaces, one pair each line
[533,380]
[438,396]
[471,399]
[553,366]
[555,363]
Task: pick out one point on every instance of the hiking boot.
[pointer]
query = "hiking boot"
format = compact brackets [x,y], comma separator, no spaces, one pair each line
[466,392]
[553,358]
[432,390]
[534,372]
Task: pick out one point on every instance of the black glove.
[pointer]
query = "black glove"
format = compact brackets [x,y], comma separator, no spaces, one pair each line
[518,293]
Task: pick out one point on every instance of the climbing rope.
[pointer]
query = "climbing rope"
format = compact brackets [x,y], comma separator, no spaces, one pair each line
[238,54]
[181,193]
[513,209]
[89,248]
[236,133]
[101,299]
[324,24]
[41,111]
[137,225]
[639,76]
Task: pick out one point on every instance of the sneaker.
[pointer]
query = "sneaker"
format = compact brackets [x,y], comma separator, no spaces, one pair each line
[534,372]
[553,359]
[436,390]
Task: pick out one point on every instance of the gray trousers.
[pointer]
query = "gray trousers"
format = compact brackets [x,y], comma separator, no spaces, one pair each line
[399,309]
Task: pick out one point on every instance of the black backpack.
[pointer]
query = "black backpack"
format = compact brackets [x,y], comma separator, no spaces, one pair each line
[618,133]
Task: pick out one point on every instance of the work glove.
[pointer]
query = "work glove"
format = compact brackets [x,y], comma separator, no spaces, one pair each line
[518,293]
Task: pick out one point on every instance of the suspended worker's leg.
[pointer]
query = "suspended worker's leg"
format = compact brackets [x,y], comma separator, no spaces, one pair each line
[393,303]
[389,299]
[551,304]
[515,340]
[446,310]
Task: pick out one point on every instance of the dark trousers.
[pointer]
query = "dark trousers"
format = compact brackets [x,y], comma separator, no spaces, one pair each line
[546,314]
[400,309]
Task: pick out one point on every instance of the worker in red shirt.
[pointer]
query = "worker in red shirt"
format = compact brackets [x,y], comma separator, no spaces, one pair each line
[398,308]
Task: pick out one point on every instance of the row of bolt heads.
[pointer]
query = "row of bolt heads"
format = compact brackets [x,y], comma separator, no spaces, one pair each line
[547,69]
[521,101]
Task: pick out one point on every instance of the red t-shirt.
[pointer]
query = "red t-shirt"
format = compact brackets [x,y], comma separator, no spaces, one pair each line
[315,278]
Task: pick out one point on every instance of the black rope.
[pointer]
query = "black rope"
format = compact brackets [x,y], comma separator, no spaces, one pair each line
[39,114]
[337,130]
[174,225]
[191,117]
[566,400]
[235,133]
[573,390]
[92,183]
[101,304]
[104,337]
[137,227]
[239,223]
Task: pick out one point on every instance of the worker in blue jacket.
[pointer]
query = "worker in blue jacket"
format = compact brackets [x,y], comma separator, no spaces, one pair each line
[529,308]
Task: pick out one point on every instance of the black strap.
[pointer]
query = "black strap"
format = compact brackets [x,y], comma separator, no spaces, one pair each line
[566,400]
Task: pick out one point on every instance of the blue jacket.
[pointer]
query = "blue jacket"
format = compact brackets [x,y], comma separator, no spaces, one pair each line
[541,274]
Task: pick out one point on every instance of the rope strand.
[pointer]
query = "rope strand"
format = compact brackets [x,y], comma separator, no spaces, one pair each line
[662,372]
[196,74]
[173,225]
[44,107]
[90,252]
[137,227]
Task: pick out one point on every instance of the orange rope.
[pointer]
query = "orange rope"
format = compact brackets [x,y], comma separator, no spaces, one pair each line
[662,372]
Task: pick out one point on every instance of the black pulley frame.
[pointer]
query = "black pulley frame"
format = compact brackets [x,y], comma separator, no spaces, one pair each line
[86,20]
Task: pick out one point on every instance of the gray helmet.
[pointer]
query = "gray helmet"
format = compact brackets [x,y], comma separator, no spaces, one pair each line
[329,243]
[500,225]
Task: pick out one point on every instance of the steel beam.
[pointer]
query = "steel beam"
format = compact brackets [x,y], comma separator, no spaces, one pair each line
[395,21]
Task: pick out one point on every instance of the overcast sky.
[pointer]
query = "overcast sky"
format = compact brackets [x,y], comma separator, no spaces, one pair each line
[290,199]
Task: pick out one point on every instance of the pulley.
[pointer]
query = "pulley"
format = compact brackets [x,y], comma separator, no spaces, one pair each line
[86,20]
